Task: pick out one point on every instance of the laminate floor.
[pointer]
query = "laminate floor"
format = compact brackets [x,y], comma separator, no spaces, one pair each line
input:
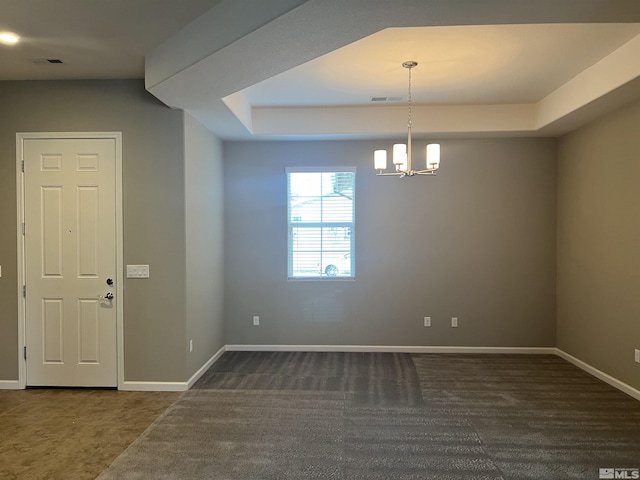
[62,434]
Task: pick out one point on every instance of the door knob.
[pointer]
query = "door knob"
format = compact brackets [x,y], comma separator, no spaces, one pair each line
[108,296]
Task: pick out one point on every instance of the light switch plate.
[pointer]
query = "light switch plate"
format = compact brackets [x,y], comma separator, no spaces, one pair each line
[137,271]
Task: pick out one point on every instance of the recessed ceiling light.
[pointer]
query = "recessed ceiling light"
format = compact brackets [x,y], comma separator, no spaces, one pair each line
[9,38]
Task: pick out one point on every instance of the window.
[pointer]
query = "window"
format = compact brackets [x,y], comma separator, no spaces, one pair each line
[321,220]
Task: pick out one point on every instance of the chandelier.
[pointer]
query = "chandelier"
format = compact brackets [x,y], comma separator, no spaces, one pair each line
[402,151]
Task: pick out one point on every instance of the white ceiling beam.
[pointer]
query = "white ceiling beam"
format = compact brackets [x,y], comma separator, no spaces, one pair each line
[615,70]
[392,120]
[222,25]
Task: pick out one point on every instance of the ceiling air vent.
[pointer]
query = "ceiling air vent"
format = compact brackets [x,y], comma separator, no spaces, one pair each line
[387,99]
[44,61]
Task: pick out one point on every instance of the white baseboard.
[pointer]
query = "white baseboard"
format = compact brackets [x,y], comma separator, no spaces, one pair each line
[385,348]
[172,386]
[614,382]
[194,378]
[9,385]
[153,386]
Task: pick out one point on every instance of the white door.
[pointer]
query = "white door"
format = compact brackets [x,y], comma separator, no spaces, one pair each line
[70,261]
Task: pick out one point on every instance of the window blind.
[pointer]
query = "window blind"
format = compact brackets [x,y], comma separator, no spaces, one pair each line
[321,223]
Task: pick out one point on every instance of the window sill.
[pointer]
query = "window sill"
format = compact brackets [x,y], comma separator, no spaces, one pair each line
[321,279]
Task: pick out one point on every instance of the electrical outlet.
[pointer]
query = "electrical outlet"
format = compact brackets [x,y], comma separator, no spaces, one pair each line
[427,321]
[454,322]
[256,320]
[637,356]
[190,345]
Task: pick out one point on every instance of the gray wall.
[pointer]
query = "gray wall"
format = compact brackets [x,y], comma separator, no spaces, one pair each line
[477,242]
[204,243]
[154,210]
[598,309]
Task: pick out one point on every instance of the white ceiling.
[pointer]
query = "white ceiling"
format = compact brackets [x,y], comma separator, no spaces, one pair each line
[308,68]
[95,39]
[457,65]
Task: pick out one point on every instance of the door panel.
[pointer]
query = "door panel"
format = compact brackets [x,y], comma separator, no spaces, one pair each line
[53,330]
[51,219]
[89,337]
[70,251]
[88,231]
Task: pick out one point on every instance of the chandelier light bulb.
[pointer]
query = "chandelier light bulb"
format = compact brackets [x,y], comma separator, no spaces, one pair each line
[380,159]
[399,153]
[433,156]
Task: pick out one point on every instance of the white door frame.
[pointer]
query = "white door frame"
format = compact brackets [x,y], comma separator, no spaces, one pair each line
[20,138]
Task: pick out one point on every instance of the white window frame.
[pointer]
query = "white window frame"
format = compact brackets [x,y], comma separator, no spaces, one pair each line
[290,226]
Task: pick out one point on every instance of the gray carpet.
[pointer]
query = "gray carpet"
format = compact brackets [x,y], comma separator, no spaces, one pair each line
[372,378]
[538,417]
[388,416]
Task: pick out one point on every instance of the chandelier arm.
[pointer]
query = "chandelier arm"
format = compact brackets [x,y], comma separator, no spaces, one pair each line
[406,173]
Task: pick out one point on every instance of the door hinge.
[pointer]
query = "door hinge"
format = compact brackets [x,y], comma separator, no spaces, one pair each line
[25,352]
[23,165]
[22,228]
[24,291]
